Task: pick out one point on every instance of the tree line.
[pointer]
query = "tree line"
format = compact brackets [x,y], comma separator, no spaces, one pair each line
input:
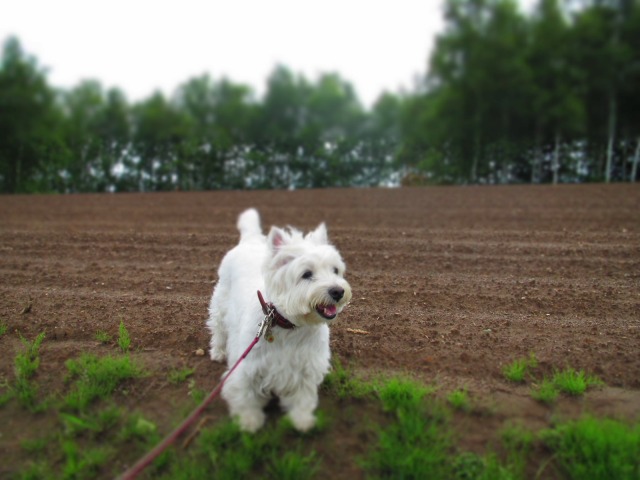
[550,96]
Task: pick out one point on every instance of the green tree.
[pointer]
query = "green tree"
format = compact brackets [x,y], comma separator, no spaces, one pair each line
[31,150]
[113,128]
[557,107]
[470,121]
[161,133]
[379,142]
[221,116]
[83,107]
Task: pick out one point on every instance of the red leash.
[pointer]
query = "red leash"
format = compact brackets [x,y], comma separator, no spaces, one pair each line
[145,461]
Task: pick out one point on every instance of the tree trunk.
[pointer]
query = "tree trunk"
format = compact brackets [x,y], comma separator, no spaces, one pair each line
[555,164]
[613,107]
[613,103]
[537,157]
[636,159]
[476,147]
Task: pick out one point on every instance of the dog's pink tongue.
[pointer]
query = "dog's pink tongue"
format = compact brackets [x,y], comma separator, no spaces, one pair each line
[330,310]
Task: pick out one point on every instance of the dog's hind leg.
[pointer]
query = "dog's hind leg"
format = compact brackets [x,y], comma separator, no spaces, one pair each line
[217,327]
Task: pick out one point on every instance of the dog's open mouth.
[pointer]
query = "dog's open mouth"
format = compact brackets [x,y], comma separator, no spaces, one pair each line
[327,311]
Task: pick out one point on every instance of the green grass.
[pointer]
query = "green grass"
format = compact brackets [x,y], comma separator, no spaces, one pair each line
[596,449]
[96,378]
[294,465]
[574,382]
[3,327]
[412,437]
[569,381]
[179,376]
[518,369]
[102,336]
[26,364]
[545,392]
[416,442]
[459,399]
[402,393]
[124,340]
[197,394]
[92,424]
[343,384]
[83,462]
[518,444]
[224,452]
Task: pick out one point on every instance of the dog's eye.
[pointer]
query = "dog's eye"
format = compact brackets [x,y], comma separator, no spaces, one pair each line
[307,275]
[335,270]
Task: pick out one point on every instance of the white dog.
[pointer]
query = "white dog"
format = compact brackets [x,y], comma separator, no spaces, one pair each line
[302,277]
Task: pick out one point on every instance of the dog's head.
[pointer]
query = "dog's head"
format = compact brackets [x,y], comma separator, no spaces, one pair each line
[304,276]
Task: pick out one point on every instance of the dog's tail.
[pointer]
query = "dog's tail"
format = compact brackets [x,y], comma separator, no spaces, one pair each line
[249,224]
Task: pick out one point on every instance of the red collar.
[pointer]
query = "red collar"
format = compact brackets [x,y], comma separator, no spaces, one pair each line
[276,318]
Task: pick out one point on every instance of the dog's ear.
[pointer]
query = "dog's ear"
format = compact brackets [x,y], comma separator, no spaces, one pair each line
[276,239]
[319,235]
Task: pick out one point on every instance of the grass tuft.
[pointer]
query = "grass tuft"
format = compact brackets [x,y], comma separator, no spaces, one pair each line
[179,376]
[97,378]
[402,393]
[102,336]
[567,381]
[459,400]
[343,384]
[3,327]
[81,462]
[26,364]
[124,340]
[415,444]
[574,382]
[518,369]
[545,392]
[93,424]
[596,448]
[294,465]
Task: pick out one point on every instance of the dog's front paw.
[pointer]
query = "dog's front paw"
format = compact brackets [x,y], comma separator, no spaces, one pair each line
[251,420]
[303,421]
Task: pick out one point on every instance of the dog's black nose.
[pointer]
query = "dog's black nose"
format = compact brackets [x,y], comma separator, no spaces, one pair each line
[336,293]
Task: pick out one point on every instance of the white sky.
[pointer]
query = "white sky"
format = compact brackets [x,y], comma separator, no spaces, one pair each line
[141,46]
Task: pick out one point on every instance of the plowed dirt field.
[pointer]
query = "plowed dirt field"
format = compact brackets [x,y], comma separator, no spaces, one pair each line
[450,284]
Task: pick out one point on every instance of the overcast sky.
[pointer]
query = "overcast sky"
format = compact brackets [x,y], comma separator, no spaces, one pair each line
[142,46]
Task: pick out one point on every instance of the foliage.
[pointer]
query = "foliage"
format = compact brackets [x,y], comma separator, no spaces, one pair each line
[227,453]
[26,364]
[124,341]
[545,392]
[343,384]
[547,96]
[459,399]
[567,381]
[412,438]
[102,336]
[415,444]
[401,393]
[511,98]
[517,370]
[96,378]
[179,376]
[574,382]
[596,448]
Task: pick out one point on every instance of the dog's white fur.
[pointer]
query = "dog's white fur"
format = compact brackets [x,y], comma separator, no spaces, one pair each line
[295,363]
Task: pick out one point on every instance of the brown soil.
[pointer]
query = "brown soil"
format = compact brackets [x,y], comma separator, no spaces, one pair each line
[450,284]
